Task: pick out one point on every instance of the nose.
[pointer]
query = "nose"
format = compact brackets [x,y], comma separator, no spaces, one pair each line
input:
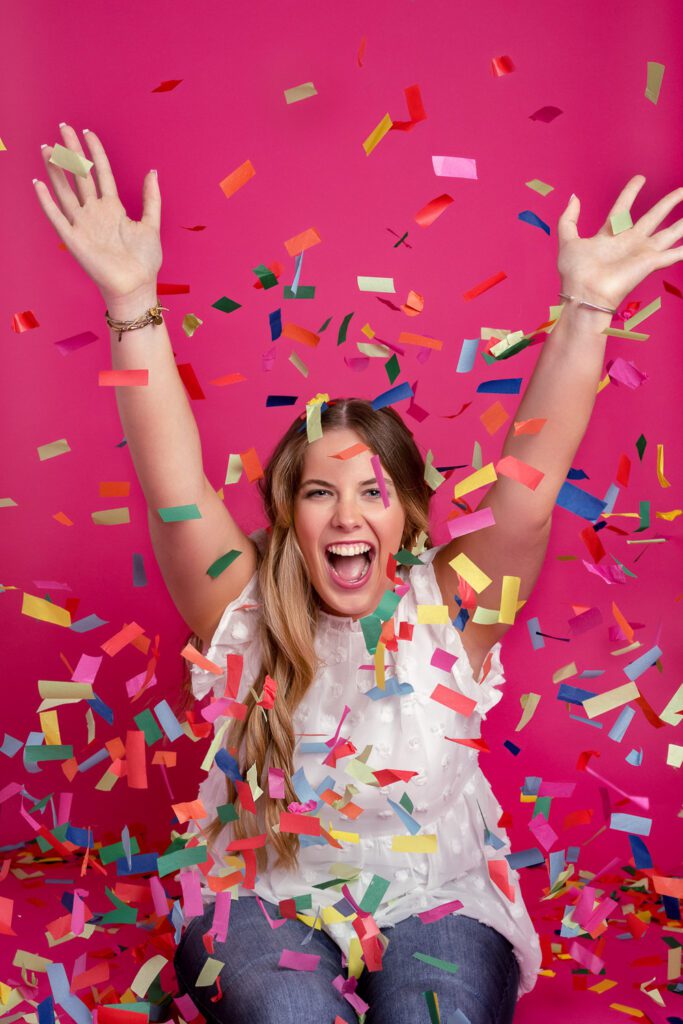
[346,513]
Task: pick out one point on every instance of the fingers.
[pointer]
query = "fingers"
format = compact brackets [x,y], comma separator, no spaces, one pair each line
[84,186]
[105,178]
[59,222]
[626,197]
[654,217]
[151,201]
[68,200]
[567,225]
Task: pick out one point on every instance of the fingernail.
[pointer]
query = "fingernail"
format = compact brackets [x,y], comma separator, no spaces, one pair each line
[34,180]
[62,124]
[43,145]
[153,171]
[85,130]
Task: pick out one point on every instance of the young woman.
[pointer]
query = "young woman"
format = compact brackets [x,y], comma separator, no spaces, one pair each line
[349,663]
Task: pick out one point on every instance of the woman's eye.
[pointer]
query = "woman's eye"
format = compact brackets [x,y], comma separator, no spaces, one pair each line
[312,494]
[374,490]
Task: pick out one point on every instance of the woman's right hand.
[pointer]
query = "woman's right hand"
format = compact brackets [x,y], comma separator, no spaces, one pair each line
[122,256]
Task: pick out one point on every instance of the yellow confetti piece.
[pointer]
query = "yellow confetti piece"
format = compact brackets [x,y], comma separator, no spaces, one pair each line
[379,665]
[49,726]
[368,331]
[31,961]
[314,429]
[54,448]
[509,341]
[508,599]
[69,160]
[111,517]
[432,615]
[610,700]
[602,986]
[655,74]
[376,284]
[629,1010]
[234,469]
[620,221]
[660,467]
[345,837]
[414,844]
[529,702]
[566,672]
[470,572]
[190,324]
[673,712]
[674,755]
[62,689]
[297,361]
[486,475]
[252,779]
[90,722]
[377,134]
[432,476]
[644,313]
[3,149]
[215,745]
[107,782]
[46,611]
[300,92]
[374,350]
[617,332]
[539,186]
[209,972]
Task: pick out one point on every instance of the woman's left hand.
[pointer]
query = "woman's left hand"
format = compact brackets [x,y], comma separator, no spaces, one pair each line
[607,267]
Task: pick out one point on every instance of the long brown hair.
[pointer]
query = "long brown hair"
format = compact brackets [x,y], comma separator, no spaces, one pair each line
[289,608]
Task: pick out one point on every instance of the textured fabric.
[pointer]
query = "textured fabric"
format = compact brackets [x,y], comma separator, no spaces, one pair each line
[450,795]
[255,988]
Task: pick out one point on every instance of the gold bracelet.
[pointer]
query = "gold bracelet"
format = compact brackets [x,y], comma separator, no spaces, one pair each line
[604,309]
[150,316]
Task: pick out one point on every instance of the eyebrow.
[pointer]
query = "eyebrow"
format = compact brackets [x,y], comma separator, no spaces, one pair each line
[364,483]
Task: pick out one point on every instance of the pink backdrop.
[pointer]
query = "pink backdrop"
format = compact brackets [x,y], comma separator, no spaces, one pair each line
[96,65]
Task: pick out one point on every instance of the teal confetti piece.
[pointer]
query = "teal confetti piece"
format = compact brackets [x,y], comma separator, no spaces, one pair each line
[108,854]
[372,628]
[145,722]
[341,337]
[49,752]
[222,563]
[443,965]
[304,291]
[184,858]
[374,894]
[179,513]
[406,802]
[226,305]
[644,516]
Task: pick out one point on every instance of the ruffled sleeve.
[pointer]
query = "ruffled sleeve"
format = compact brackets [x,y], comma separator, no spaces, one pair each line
[236,633]
[485,691]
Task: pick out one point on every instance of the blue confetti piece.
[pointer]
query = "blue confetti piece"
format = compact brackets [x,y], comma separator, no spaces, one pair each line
[635,757]
[622,723]
[275,320]
[635,823]
[587,721]
[512,747]
[504,386]
[62,996]
[636,668]
[467,355]
[409,822]
[228,765]
[33,739]
[274,400]
[573,854]
[393,395]
[80,837]
[140,864]
[297,273]
[530,217]
[557,864]
[102,709]
[101,755]
[139,575]
[87,624]
[534,627]
[46,1011]
[577,474]
[314,748]
[10,745]
[177,920]
[573,694]
[302,787]
[573,499]
[611,498]
[525,858]
[392,689]
[168,721]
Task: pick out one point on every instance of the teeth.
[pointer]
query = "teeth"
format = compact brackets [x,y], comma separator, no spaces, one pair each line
[348,549]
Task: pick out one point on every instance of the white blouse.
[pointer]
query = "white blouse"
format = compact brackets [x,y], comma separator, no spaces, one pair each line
[406,730]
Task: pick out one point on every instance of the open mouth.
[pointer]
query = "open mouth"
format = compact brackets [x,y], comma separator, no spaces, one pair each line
[350,564]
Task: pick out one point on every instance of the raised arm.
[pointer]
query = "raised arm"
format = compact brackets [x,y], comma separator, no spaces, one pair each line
[602,270]
[123,258]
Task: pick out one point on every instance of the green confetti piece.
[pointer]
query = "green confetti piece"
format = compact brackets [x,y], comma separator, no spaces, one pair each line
[226,305]
[341,338]
[227,813]
[433,1007]
[146,721]
[179,513]
[621,222]
[217,567]
[623,567]
[325,325]
[304,291]
[387,605]
[444,965]
[265,276]
[392,367]
[131,1007]
[108,854]
[50,752]
[644,507]
[542,806]
[123,913]
[641,445]
[372,627]
[41,805]
[407,803]
[405,557]
[59,832]
[374,894]
[181,859]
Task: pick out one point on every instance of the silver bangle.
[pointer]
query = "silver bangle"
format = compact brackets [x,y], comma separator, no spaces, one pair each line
[591,305]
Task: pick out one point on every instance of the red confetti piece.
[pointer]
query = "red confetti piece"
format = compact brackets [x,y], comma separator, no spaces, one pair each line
[25,321]
[168,85]
[429,213]
[484,286]
[502,66]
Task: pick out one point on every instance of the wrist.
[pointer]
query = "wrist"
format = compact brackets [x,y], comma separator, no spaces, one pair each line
[128,307]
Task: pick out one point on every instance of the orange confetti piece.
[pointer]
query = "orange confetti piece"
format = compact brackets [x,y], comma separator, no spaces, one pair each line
[623,623]
[518,470]
[529,426]
[452,699]
[135,759]
[301,242]
[251,465]
[295,333]
[229,378]
[429,213]
[189,810]
[114,488]
[499,873]
[484,286]
[166,757]
[239,177]
[405,338]
[494,417]
[121,639]
[414,304]
[123,378]
[348,453]
[361,51]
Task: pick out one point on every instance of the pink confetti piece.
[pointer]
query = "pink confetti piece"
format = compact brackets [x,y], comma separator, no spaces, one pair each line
[443,659]
[381,483]
[192,896]
[587,959]
[159,898]
[436,913]
[609,573]
[298,961]
[333,742]
[463,525]
[275,924]
[64,808]
[221,916]
[454,166]
[543,831]
[276,783]
[623,371]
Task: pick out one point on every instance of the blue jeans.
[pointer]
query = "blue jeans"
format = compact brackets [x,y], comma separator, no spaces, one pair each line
[257,991]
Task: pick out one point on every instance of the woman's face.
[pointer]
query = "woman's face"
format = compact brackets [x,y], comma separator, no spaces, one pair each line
[339,503]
